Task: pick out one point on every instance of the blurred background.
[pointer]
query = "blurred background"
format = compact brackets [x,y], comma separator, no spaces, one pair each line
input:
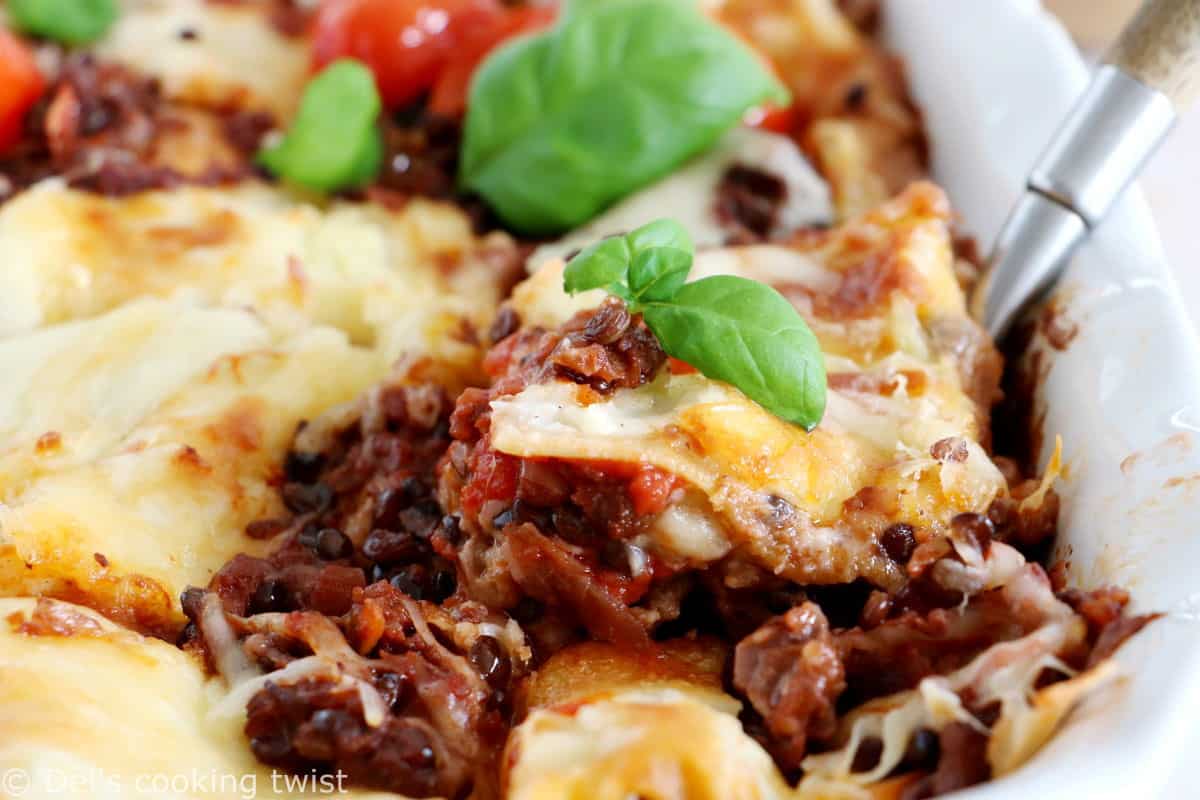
[1171,179]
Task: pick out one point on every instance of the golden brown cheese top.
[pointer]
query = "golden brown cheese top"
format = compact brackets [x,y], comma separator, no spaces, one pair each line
[152,435]
[357,267]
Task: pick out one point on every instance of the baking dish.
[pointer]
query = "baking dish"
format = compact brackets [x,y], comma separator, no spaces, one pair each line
[979,110]
[992,79]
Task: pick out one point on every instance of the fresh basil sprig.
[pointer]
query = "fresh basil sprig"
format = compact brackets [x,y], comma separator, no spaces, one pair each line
[617,94]
[731,329]
[649,264]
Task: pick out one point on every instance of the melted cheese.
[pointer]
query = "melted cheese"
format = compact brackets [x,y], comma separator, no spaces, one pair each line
[611,724]
[900,392]
[68,729]
[151,436]
[1005,674]
[237,59]
[664,743]
[160,349]
[691,195]
[369,271]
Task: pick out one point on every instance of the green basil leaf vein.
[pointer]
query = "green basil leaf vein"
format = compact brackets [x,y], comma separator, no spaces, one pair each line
[657,274]
[747,334]
[619,93]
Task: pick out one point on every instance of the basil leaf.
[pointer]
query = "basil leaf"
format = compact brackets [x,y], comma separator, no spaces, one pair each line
[745,333]
[731,329]
[602,265]
[333,143]
[67,21]
[650,263]
[619,93]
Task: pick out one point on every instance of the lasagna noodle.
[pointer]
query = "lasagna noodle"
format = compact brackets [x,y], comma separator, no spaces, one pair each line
[139,444]
[68,681]
[897,388]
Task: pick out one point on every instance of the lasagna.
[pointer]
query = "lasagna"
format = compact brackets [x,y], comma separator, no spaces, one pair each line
[345,485]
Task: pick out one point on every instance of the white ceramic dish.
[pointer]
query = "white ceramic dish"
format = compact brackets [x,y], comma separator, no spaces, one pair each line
[993,78]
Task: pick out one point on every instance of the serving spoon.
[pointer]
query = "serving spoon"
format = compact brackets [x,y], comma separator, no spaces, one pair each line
[1147,78]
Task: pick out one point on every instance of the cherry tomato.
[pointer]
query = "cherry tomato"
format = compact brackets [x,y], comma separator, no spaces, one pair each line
[406,43]
[449,95]
[21,84]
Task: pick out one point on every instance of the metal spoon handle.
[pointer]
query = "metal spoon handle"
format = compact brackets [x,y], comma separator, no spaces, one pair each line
[1114,128]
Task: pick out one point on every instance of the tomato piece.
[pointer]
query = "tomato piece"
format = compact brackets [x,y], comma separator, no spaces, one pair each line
[406,43]
[494,476]
[648,486]
[771,117]
[678,367]
[650,490]
[449,96]
[597,469]
[21,84]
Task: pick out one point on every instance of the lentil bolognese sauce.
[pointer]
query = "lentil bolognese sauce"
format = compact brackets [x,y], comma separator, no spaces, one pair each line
[364,577]
[103,127]
[421,574]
